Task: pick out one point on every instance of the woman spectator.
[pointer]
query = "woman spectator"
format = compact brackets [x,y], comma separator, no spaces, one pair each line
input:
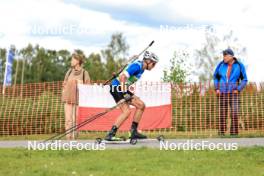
[75,75]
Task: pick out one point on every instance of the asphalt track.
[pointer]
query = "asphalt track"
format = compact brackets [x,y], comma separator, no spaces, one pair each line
[171,144]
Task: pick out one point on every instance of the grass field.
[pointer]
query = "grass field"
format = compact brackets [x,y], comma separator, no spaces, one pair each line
[139,162]
[168,135]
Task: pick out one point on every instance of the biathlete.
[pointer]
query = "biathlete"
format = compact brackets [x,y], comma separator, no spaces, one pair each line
[119,89]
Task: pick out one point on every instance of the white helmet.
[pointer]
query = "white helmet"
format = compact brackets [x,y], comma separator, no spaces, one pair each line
[151,56]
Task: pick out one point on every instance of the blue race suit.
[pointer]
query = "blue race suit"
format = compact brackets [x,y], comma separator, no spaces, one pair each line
[133,73]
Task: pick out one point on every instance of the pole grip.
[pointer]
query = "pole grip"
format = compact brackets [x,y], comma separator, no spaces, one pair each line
[151,43]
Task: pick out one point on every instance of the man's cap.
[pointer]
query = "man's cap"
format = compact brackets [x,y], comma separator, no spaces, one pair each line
[228,51]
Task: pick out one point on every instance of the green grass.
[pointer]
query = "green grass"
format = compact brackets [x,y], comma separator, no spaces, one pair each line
[168,135]
[142,161]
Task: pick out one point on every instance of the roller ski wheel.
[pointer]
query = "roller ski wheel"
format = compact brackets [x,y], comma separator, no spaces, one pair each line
[133,141]
[161,138]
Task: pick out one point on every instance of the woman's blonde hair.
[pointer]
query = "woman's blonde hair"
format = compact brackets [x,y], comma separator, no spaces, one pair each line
[79,57]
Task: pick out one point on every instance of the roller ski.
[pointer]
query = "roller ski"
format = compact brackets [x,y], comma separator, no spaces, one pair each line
[132,141]
[113,140]
[111,137]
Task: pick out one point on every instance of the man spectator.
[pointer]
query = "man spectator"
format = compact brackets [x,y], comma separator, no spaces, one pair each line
[229,79]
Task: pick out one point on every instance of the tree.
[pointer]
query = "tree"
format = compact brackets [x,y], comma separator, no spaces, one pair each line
[37,64]
[64,59]
[27,55]
[209,55]
[42,65]
[177,72]
[96,67]
[2,64]
[102,66]
[115,54]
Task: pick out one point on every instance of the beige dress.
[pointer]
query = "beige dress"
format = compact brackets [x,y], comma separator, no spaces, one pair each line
[70,97]
[72,78]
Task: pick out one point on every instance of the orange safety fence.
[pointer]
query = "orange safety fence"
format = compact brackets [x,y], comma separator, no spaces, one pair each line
[37,108]
[31,109]
[197,110]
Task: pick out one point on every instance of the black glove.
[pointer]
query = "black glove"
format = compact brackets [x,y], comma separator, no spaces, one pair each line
[127,96]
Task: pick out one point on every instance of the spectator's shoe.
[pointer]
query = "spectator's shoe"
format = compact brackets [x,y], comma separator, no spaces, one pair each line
[234,135]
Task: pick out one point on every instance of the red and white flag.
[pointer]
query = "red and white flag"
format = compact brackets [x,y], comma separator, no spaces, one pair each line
[94,99]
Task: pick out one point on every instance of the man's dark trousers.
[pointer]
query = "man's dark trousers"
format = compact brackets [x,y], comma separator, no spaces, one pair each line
[231,99]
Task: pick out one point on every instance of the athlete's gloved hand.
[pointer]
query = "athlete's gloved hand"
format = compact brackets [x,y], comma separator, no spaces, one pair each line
[127,97]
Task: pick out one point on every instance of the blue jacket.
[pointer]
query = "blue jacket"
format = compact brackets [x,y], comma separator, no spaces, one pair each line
[238,73]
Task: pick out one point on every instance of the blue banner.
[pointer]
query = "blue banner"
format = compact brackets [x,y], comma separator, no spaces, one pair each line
[1,69]
[8,69]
